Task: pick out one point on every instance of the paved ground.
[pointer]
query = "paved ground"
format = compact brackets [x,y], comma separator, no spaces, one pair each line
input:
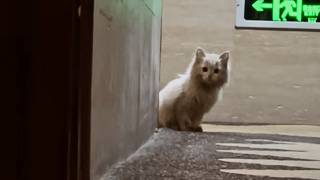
[226,153]
[275,74]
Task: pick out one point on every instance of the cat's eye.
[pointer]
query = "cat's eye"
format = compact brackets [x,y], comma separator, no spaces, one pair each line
[205,69]
[216,70]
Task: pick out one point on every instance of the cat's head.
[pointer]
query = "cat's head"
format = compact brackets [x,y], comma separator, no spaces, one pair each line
[211,69]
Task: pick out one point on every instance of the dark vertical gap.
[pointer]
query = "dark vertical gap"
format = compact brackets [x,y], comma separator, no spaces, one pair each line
[79,127]
[23,50]
[9,89]
[22,81]
[72,124]
[31,36]
[84,88]
[23,32]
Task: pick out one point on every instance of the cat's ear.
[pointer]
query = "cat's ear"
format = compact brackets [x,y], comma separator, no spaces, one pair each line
[224,58]
[200,54]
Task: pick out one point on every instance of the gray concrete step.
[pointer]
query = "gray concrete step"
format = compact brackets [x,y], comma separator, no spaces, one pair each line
[226,152]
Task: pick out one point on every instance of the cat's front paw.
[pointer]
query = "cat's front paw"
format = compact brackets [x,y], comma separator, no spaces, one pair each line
[197,129]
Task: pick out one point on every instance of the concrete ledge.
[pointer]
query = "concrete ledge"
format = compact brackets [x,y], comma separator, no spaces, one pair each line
[221,155]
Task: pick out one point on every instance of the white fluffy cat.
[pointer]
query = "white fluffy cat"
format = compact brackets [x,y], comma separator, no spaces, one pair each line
[184,101]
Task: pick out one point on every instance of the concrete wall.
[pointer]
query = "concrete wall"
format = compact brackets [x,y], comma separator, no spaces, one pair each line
[125,82]
[275,75]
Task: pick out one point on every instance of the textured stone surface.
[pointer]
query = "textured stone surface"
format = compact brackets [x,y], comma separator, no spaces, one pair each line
[181,155]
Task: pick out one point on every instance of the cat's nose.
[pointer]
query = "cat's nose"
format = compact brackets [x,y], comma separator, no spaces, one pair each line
[213,77]
[207,77]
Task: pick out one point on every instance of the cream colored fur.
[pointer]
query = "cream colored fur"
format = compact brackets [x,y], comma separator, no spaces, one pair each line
[184,101]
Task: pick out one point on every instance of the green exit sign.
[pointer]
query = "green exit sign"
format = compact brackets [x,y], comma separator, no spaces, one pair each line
[282,14]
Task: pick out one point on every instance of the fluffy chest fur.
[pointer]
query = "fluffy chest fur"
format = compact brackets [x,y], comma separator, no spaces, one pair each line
[181,99]
[196,101]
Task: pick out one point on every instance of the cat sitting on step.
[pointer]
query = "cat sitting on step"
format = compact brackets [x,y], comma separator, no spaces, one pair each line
[184,101]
